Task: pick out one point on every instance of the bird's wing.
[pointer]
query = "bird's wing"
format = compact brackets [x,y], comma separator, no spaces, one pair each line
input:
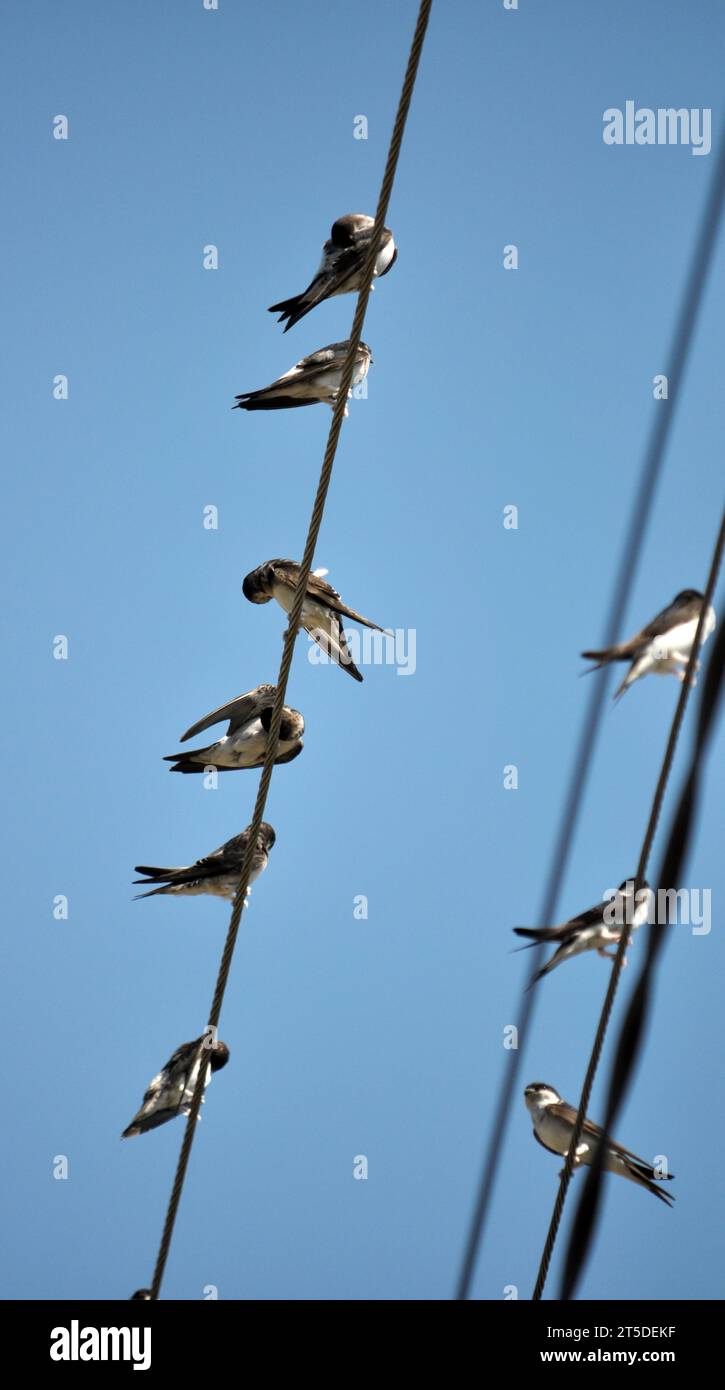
[156,873]
[590,1131]
[631,1158]
[309,367]
[566,1112]
[183,1056]
[564,930]
[339,265]
[180,1059]
[671,616]
[287,572]
[229,855]
[319,588]
[546,1146]
[591,918]
[595,1134]
[304,372]
[538,934]
[239,711]
[220,861]
[337,647]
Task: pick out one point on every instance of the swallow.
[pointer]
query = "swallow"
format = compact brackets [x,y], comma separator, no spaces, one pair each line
[171,1092]
[321,608]
[341,267]
[314,380]
[554,1122]
[664,645]
[245,742]
[218,873]
[600,926]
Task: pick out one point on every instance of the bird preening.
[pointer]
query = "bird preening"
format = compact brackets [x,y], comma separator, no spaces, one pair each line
[314,379]
[245,742]
[322,607]
[171,1092]
[340,270]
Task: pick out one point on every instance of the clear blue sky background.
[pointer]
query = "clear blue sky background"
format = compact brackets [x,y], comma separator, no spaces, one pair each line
[533,387]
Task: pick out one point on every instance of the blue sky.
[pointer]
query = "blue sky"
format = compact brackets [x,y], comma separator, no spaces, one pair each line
[380,1037]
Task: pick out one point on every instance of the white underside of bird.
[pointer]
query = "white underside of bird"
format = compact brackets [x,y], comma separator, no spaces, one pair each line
[243,748]
[315,618]
[326,382]
[177,1094]
[669,653]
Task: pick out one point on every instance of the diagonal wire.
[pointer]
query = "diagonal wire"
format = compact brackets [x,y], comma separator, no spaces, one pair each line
[693,293]
[633,1025]
[647,843]
[294,618]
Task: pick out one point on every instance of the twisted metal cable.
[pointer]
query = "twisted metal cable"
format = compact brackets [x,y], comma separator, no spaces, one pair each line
[294,619]
[645,852]
[692,298]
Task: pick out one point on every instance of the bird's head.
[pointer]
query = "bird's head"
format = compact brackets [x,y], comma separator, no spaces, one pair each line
[257,585]
[538,1096]
[292,725]
[266,837]
[219,1056]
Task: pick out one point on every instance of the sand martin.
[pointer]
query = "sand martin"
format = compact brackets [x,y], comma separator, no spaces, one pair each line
[218,873]
[245,741]
[600,926]
[314,380]
[341,267]
[171,1092]
[321,608]
[663,646]
[554,1122]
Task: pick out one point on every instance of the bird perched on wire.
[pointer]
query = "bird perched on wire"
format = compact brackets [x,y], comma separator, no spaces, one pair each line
[554,1122]
[171,1092]
[600,926]
[245,742]
[664,645]
[314,380]
[321,607]
[341,267]
[218,873]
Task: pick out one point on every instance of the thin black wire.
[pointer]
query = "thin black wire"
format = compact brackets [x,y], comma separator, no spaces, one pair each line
[294,618]
[633,1026]
[700,264]
[647,843]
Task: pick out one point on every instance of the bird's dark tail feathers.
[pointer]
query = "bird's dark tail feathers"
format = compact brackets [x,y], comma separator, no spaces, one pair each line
[645,1175]
[152,872]
[290,309]
[622,651]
